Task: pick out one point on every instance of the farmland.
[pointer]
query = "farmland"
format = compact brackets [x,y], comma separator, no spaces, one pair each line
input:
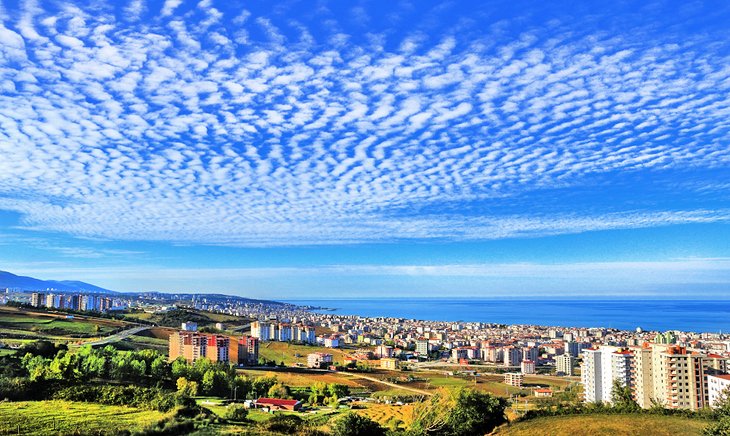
[22,324]
[292,354]
[54,417]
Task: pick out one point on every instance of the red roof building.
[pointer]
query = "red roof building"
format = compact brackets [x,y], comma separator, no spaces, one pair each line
[279,404]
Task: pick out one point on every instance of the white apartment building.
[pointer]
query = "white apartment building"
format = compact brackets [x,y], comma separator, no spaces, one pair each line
[597,374]
[512,356]
[527,367]
[717,388]
[564,364]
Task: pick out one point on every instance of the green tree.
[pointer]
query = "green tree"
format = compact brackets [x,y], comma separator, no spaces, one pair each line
[187,387]
[235,412]
[622,398]
[352,424]
[278,390]
[475,413]
[338,390]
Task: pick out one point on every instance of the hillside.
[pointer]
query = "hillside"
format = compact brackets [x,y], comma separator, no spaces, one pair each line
[595,425]
[9,280]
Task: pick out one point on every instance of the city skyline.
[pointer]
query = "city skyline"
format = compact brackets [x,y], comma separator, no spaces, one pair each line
[373,149]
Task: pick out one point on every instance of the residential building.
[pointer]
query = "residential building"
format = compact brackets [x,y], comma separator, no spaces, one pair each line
[422,347]
[527,367]
[718,387]
[389,363]
[564,364]
[37,299]
[319,360]
[597,374]
[514,379]
[512,356]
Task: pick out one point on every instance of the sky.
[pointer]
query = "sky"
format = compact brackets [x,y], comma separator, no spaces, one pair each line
[351,149]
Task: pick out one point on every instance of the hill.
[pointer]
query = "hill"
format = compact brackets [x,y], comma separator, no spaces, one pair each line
[9,280]
[656,425]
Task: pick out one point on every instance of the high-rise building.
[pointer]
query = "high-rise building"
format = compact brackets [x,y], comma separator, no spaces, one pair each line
[527,367]
[422,346]
[49,301]
[531,353]
[597,374]
[512,356]
[717,387]
[564,364]
[643,376]
[37,299]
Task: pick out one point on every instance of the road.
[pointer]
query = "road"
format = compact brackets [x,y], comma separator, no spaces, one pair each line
[117,336]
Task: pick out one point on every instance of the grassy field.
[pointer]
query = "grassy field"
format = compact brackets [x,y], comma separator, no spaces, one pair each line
[291,353]
[18,323]
[384,413]
[39,417]
[6,352]
[595,425]
[295,379]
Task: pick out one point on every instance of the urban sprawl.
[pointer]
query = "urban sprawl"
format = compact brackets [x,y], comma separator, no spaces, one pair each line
[673,369]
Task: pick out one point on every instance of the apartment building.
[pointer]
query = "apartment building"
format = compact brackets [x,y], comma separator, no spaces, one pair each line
[564,364]
[218,348]
[597,374]
[718,386]
[527,367]
[514,379]
[284,332]
[512,356]
[319,360]
[37,299]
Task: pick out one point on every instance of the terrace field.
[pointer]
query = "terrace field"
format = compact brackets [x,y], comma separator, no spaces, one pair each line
[596,425]
[64,417]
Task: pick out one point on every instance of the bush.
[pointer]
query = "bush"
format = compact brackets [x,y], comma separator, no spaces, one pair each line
[133,396]
[236,412]
[353,424]
[288,424]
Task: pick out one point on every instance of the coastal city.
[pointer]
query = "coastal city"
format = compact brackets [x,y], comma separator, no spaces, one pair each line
[364,218]
[674,369]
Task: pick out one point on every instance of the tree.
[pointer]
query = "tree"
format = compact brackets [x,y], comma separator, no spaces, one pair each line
[352,424]
[476,413]
[278,390]
[338,390]
[187,387]
[236,412]
[622,398]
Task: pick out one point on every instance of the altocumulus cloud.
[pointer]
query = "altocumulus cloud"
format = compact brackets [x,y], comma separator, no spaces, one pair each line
[207,123]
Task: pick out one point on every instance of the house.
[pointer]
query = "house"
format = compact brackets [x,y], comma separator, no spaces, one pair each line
[389,363]
[279,404]
[543,393]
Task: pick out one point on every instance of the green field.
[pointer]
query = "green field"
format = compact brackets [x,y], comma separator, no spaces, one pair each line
[595,425]
[287,353]
[39,418]
[6,352]
[24,324]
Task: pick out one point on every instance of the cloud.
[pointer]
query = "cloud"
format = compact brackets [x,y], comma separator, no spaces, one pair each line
[217,126]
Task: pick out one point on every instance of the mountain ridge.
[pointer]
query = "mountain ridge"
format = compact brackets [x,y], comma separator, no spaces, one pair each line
[26,283]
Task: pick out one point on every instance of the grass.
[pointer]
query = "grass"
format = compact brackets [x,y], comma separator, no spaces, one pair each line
[287,353]
[50,326]
[296,379]
[596,425]
[6,352]
[383,413]
[38,418]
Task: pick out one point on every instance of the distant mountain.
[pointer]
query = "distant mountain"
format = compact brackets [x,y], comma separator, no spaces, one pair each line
[9,280]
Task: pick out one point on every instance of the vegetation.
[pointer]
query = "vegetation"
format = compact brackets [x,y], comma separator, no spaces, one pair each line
[459,412]
[602,424]
[64,417]
[352,424]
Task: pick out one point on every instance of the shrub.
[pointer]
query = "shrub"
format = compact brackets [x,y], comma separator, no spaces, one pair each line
[236,412]
[353,424]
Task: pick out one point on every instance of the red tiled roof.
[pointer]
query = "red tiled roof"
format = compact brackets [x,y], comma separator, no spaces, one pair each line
[277,402]
[722,376]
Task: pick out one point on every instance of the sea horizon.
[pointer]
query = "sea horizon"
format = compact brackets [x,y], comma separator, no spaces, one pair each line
[694,315]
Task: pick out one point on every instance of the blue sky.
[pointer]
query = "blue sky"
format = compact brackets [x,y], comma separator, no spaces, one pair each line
[342,149]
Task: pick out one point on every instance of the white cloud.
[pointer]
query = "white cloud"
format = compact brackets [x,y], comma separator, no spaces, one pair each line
[172,131]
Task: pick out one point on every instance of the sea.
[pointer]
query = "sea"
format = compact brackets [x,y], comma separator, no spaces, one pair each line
[686,315]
